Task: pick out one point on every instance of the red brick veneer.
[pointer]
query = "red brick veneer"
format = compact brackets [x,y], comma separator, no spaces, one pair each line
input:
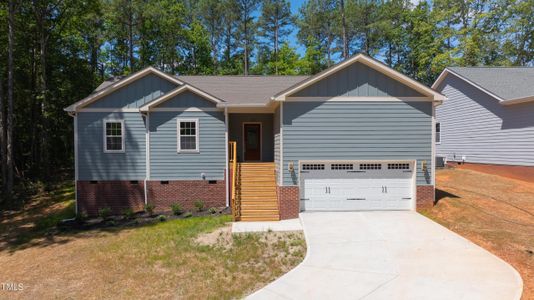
[425,197]
[186,192]
[288,201]
[116,195]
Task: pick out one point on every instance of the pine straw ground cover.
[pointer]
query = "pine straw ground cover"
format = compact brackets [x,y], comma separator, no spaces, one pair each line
[195,258]
[495,212]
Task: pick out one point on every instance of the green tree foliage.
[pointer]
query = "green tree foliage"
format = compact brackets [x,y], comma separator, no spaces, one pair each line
[63,49]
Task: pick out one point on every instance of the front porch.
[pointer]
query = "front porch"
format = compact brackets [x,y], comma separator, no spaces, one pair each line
[254,135]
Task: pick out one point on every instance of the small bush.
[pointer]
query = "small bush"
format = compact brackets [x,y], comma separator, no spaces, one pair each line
[212,210]
[81,217]
[199,205]
[128,213]
[176,209]
[188,214]
[149,209]
[104,213]
[162,218]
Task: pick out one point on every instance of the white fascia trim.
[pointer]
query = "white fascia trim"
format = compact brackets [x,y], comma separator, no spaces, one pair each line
[110,110]
[121,83]
[360,99]
[185,109]
[177,91]
[254,105]
[447,71]
[374,65]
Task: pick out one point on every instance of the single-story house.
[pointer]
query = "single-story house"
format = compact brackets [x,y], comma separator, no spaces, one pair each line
[488,117]
[357,136]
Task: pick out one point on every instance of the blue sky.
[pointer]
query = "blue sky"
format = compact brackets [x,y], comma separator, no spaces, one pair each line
[295,6]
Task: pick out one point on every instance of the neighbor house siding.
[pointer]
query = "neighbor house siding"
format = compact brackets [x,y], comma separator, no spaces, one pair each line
[167,164]
[357,80]
[136,94]
[236,133]
[357,131]
[94,164]
[477,126]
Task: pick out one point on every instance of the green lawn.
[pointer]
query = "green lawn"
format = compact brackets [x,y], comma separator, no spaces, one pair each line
[185,258]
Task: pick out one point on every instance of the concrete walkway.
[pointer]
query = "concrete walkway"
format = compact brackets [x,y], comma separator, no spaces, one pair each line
[284,225]
[391,255]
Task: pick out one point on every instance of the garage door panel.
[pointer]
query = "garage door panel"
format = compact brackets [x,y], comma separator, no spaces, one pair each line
[378,189]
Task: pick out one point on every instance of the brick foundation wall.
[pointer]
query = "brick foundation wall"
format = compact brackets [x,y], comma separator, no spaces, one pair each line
[425,197]
[289,202]
[186,192]
[116,195]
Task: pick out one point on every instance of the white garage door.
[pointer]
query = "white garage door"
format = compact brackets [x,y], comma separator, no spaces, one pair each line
[356,185]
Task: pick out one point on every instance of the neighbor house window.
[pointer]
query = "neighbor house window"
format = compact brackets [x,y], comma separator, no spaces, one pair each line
[114,136]
[438,132]
[187,135]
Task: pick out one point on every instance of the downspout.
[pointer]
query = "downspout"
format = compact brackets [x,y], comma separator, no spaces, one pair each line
[227,176]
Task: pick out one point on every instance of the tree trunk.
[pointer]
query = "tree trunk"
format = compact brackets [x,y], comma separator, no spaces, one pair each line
[43,91]
[10,67]
[344,30]
[2,137]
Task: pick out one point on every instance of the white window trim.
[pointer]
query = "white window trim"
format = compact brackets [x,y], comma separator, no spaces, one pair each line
[178,136]
[436,133]
[123,128]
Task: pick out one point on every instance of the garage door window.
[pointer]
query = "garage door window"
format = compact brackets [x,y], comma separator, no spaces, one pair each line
[342,167]
[313,167]
[399,166]
[370,166]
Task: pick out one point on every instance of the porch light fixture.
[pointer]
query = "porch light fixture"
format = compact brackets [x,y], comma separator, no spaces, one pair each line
[291,167]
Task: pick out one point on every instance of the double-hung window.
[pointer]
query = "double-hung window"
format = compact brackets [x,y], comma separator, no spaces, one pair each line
[188,135]
[438,132]
[113,136]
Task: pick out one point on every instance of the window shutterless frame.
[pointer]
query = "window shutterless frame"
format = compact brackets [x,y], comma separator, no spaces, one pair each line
[179,134]
[105,135]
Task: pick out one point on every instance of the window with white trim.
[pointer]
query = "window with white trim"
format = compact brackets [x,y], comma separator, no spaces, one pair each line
[438,132]
[187,135]
[114,136]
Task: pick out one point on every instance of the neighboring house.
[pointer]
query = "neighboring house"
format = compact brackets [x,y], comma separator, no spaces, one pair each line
[357,136]
[488,117]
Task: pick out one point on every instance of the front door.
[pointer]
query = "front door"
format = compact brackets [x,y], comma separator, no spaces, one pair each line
[252,138]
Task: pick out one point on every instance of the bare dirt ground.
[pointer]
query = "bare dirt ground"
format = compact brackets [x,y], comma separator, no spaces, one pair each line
[495,212]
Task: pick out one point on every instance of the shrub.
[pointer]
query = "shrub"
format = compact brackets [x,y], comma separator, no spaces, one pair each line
[188,214]
[199,205]
[128,213]
[162,218]
[104,213]
[176,209]
[212,210]
[149,209]
[81,217]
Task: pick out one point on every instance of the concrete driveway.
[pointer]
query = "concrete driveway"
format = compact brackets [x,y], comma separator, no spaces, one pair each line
[391,255]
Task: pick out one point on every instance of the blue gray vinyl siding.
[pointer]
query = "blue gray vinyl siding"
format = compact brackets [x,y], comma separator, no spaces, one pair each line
[477,126]
[358,80]
[276,128]
[94,164]
[357,131]
[136,94]
[167,164]
[187,99]
[267,140]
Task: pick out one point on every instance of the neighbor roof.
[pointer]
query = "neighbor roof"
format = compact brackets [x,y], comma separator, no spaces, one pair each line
[239,90]
[507,84]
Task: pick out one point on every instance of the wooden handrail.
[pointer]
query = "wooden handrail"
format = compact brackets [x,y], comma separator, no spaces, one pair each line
[232,146]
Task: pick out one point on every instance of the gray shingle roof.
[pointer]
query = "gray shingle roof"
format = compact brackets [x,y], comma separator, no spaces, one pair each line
[506,82]
[242,89]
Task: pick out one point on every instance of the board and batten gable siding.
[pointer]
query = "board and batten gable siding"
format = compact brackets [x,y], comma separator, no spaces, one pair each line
[357,80]
[94,163]
[165,161]
[136,94]
[187,99]
[477,126]
[235,130]
[355,130]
